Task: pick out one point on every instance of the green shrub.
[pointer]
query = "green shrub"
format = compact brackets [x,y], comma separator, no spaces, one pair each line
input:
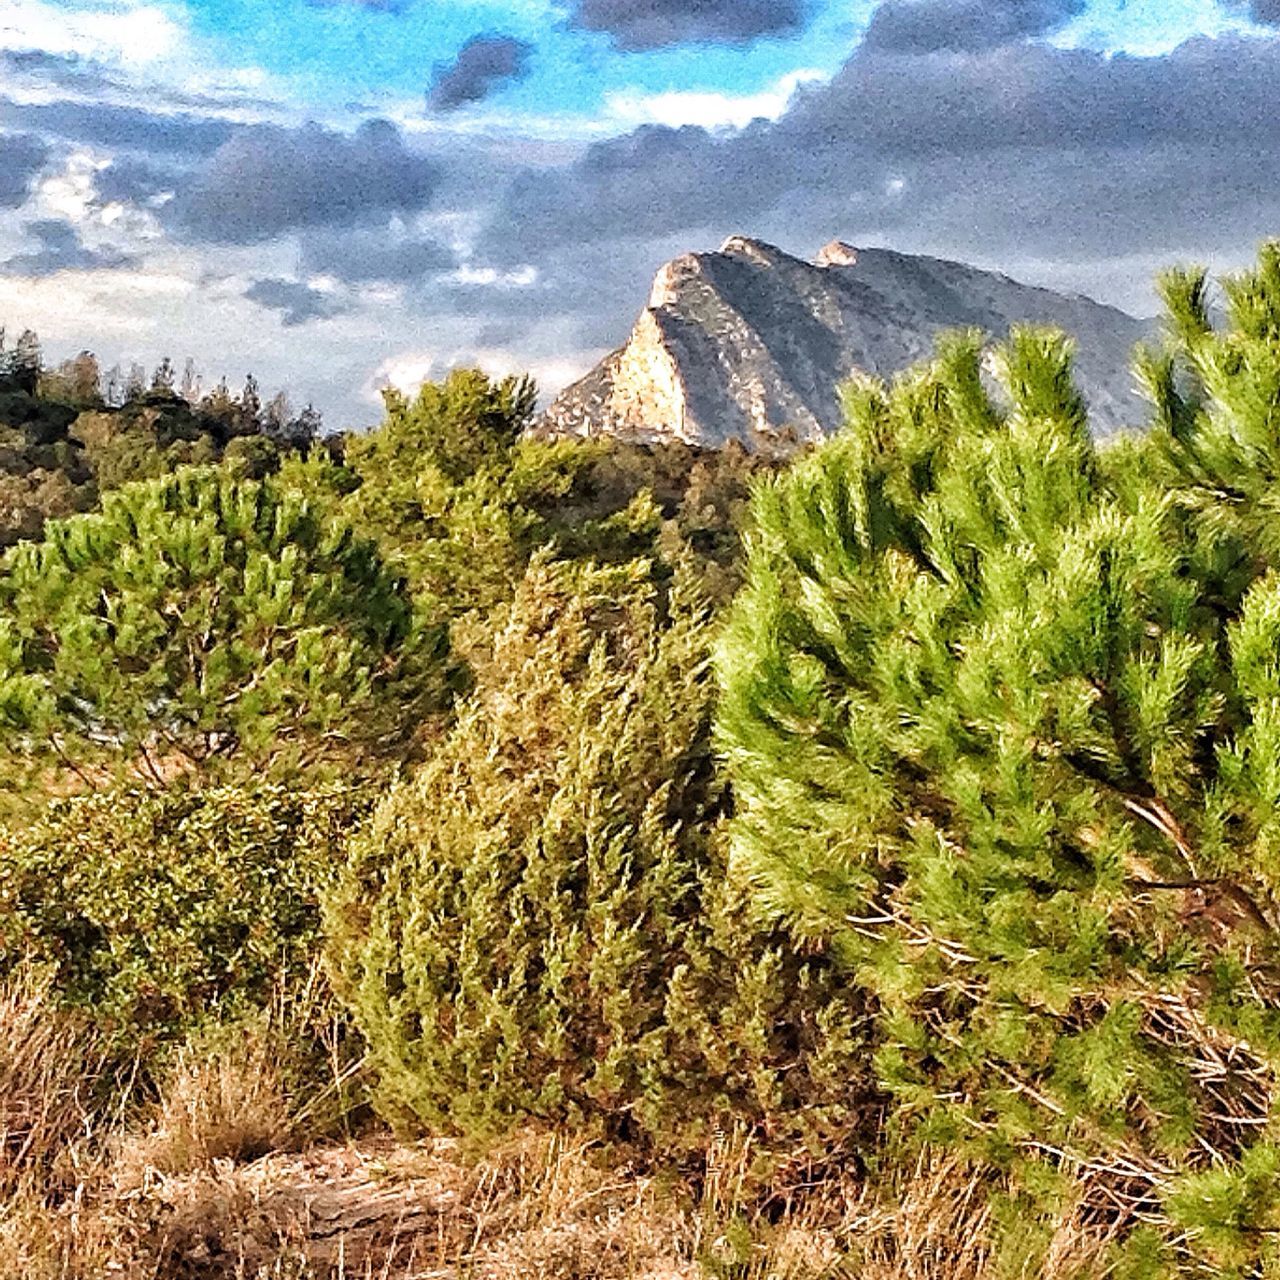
[200,619]
[1002,716]
[538,925]
[161,910]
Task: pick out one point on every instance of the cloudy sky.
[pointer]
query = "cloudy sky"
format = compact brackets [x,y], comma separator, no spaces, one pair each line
[336,194]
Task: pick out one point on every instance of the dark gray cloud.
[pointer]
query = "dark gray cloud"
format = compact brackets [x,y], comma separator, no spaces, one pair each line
[130,180]
[1266,12]
[653,24]
[366,257]
[483,66]
[1012,153]
[268,180]
[1072,119]
[120,128]
[929,26]
[22,156]
[297,303]
[59,248]
[64,70]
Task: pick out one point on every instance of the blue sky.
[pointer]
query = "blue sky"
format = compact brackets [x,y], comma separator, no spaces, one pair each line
[341,193]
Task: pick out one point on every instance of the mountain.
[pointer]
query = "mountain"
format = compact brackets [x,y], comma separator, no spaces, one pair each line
[752,344]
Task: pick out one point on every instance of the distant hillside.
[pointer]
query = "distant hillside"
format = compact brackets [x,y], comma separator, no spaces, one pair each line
[751,344]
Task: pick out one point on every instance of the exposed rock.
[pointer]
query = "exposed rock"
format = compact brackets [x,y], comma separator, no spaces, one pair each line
[751,344]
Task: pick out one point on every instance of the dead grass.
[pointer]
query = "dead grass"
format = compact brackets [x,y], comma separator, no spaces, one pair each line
[222,1101]
[50,1066]
[203,1185]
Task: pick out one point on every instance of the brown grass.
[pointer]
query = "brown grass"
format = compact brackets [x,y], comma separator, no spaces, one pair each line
[202,1185]
[221,1101]
[50,1067]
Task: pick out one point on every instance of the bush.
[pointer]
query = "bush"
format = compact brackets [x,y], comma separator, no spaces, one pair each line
[200,619]
[537,924]
[161,911]
[1002,716]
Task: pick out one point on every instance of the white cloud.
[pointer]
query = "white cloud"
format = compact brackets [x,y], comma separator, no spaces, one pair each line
[521,278]
[708,109]
[124,32]
[408,370]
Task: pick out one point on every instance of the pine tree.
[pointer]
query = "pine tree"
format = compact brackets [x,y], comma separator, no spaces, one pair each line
[249,408]
[202,622]
[163,378]
[27,361]
[1002,718]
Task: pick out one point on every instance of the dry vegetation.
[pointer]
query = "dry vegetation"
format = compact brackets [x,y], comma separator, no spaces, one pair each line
[207,1181]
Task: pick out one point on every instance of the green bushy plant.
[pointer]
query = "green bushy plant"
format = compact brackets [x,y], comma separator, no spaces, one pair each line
[1002,716]
[537,924]
[200,619]
[160,911]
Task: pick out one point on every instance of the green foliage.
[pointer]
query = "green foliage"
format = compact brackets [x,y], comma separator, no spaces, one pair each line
[68,434]
[201,619]
[449,487]
[537,924]
[1002,717]
[159,911]
[458,426]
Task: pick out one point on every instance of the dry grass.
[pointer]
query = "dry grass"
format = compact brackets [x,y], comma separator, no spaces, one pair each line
[50,1067]
[202,1185]
[221,1101]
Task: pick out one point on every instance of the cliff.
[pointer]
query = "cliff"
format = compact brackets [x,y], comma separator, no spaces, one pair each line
[752,344]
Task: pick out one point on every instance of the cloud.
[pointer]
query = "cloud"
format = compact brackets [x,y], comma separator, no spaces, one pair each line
[120,127]
[1056,146]
[22,156]
[59,248]
[376,256]
[128,34]
[268,180]
[129,180]
[711,110]
[931,26]
[298,303]
[1029,157]
[483,66]
[65,70]
[654,24]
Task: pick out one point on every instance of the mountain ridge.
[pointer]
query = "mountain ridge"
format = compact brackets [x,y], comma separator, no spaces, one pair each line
[750,343]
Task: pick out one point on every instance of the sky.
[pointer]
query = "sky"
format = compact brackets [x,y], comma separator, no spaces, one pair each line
[340,195]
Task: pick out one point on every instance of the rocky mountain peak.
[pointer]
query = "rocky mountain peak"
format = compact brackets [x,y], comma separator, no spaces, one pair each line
[837,253]
[751,344]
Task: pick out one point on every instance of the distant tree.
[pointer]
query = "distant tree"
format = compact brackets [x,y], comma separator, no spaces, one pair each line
[249,416]
[463,423]
[205,622]
[276,415]
[113,387]
[219,405]
[74,382]
[26,361]
[135,386]
[306,426]
[163,377]
[189,388]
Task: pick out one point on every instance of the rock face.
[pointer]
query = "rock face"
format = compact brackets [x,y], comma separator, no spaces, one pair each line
[751,344]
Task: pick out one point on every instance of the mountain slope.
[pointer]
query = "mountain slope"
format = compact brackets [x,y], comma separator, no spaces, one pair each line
[751,344]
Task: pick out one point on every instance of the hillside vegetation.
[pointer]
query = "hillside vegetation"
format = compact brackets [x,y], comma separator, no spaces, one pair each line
[447,852]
